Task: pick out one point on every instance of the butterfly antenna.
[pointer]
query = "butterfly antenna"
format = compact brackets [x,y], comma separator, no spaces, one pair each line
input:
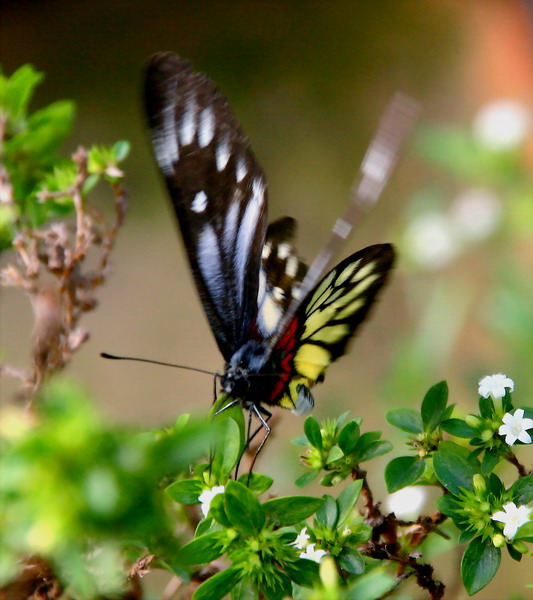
[157,362]
[376,168]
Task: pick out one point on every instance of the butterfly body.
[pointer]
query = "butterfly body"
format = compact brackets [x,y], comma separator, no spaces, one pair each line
[277,336]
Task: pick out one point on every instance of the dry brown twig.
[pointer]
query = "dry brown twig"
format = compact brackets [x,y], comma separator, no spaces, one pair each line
[51,267]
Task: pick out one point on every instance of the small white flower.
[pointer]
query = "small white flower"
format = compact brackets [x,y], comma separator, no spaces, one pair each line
[206,497]
[407,502]
[476,212]
[311,554]
[301,541]
[502,124]
[494,385]
[431,240]
[514,427]
[513,517]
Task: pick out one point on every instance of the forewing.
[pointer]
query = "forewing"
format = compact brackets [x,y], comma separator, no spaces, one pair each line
[325,322]
[280,276]
[217,189]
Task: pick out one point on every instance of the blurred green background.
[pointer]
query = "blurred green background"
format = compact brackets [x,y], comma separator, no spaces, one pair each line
[309,81]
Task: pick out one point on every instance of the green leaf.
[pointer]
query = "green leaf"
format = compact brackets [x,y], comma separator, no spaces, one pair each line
[306,478]
[360,536]
[372,586]
[334,454]
[495,485]
[448,505]
[328,513]
[347,499]
[458,428]
[245,590]
[352,561]
[219,585]
[256,482]
[479,564]
[434,406]
[228,449]
[301,440]
[348,437]
[453,471]
[19,90]
[522,490]
[185,492]
[342,419]
[406,419]
[403,471]
[290,509]
[121,149]
[490,460]
[203,549]
[217,511]
[313,433]
[525,532]
[486,407]
[302,572]
[375,449]
[243,509]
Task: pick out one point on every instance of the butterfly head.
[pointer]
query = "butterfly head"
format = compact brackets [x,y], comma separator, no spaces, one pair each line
[248,359]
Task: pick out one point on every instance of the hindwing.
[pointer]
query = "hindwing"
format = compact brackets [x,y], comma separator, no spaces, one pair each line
[325,322]
[281,274]
[218,192]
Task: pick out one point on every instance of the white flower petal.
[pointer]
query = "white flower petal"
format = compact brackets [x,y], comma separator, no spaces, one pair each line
[519,414]
[499,516]
[510,439]
[508,419]
[524,437]
[510,529]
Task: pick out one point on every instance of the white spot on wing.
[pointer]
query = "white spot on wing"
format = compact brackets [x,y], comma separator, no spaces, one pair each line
[278,294]
[231,226]
[165,142]
[222,153]
[270,315]
[206,129]
[241,168]
[267,248]
[210,266]
[188,122]
[291,268]
[262,287]
[199,204]
[248,228]
[284,250]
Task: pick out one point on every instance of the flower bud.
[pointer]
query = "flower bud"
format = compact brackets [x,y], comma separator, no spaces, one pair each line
[498,540]
[328,574]
[487,435]
[473,421]
[479,482]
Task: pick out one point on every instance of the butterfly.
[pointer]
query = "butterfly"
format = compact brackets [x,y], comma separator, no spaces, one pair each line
[277,323]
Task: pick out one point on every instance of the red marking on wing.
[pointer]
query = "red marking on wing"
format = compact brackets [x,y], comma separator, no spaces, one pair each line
[285,347]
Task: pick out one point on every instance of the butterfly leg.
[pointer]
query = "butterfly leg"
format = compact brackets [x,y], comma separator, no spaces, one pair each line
[228,405]
[249,438]
[259,411]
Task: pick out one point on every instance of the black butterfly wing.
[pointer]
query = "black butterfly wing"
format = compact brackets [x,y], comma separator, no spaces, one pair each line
[324,324]
[218,192]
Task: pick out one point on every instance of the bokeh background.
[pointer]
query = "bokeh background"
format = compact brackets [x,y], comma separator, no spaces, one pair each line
[308,81]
